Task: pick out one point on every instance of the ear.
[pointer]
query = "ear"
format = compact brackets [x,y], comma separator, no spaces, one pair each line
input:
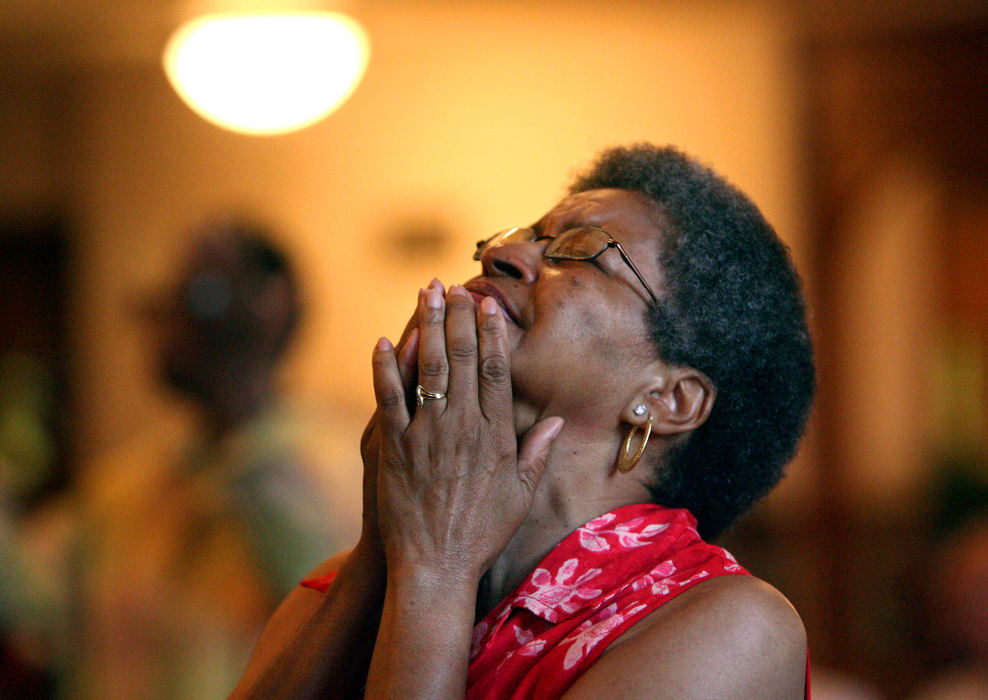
[679,400]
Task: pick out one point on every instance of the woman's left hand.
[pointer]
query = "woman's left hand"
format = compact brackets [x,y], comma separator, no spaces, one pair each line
[454,485]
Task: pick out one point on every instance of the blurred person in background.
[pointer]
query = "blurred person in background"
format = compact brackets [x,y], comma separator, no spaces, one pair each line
[186,544]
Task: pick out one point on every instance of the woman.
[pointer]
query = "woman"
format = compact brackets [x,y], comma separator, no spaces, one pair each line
[548,439]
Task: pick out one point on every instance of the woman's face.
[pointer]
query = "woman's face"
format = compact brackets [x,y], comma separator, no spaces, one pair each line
[576,330]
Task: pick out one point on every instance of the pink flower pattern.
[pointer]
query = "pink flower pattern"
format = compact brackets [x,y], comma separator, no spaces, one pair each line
[529,645]
[596,537]
[598,582]
[559,591]
[590,635]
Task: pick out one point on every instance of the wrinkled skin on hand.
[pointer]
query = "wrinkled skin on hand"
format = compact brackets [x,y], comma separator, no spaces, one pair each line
[454,485]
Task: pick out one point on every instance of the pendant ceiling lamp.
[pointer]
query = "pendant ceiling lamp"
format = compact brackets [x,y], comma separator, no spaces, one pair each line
[266,73]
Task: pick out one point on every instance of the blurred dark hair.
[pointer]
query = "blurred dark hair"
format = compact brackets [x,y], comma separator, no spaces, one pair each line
[258,261]
[734,310]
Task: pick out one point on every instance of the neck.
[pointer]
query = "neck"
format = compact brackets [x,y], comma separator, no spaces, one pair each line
[580,483]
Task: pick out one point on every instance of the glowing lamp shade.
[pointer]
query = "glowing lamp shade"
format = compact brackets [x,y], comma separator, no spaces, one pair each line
[266,73]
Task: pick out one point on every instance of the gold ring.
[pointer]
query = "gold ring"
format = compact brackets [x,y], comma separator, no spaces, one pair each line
[421,395]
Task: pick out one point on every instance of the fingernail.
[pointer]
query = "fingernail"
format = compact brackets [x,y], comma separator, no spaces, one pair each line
[488,306]
[433,298]
[436,284]
[383,345]
[554,431]
[457,290]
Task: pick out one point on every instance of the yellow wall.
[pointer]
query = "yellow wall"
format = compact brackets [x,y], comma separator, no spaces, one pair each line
[27,168]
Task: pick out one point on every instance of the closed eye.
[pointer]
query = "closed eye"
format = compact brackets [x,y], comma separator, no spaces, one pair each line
[596,262]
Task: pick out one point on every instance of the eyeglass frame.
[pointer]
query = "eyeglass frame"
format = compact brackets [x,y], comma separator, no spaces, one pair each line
[611,243]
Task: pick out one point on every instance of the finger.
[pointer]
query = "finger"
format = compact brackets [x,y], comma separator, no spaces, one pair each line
[369,430]
[408,366]
[494,367]
[533,454]
[412,325]
[461,345]
[391,410]
[407,353]
[433,367]
[407,335]
[409,327]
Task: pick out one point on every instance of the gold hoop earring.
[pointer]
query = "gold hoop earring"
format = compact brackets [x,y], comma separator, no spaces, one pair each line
[625,463]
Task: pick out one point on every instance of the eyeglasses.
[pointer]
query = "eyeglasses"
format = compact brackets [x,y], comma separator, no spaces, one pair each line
[584,243]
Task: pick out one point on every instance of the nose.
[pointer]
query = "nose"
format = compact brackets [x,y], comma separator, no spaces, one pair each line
[520,260]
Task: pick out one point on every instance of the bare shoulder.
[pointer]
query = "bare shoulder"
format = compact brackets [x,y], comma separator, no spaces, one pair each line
[293,611]
[301,601]
[729,637]
[741,604]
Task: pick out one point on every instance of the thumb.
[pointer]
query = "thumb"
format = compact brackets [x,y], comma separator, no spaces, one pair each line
[534,451]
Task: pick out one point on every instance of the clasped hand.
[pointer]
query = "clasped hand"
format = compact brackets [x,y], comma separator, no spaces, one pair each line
[453,483]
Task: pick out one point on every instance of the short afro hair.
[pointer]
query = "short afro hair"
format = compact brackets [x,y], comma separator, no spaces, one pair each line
[734,310]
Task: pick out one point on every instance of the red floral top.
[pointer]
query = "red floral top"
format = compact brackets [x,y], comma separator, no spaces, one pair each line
[591,588]
[598,582]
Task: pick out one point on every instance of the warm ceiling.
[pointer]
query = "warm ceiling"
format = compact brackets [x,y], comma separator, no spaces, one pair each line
[52,35]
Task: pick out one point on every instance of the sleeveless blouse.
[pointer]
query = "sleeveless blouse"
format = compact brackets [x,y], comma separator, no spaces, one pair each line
[589,590]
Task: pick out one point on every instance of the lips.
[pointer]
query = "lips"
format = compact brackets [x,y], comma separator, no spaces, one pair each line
[479,289]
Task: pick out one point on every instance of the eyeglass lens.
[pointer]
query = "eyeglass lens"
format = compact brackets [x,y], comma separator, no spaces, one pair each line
[578,244]
[583,243]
